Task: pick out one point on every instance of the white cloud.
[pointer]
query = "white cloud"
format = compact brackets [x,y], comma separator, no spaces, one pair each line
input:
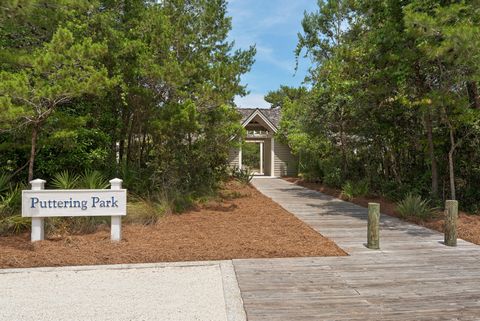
[267,54]
[254,100]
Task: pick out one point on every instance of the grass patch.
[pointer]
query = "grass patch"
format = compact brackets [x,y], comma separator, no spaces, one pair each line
[145,211]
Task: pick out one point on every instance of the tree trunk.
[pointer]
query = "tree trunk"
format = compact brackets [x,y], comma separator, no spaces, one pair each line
[343,149]
[142,149]
[121,147]
[393,161]
[473,96]
[129,142]
[431,151]
[125,119]
[33,150]
[451,166]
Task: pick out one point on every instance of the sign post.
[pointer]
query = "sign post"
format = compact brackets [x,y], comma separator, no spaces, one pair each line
[38,223]
[116,224]
[39,203]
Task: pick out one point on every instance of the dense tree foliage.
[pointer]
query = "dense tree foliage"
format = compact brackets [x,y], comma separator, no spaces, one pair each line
[139,89]
[393,97]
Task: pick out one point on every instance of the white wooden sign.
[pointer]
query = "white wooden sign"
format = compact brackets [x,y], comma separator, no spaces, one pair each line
[51,203]
[38,203]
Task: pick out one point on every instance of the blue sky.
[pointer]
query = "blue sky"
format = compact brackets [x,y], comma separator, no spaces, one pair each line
[272,25]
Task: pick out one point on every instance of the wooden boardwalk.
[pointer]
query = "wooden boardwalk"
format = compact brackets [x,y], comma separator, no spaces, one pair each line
[413,277]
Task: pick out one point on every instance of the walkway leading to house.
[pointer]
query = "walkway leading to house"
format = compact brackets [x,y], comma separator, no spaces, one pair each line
[413,277]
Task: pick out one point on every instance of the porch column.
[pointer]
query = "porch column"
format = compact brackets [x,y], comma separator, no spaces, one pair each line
[272,161]
[261,158]
[240,157]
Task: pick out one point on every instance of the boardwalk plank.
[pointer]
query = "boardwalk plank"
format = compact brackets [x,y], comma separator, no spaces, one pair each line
[412,277]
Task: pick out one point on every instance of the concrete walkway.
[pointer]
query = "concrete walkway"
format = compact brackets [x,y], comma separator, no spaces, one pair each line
[413,277]
[185,291]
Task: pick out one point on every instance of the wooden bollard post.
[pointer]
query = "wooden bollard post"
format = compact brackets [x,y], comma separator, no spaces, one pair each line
[373,233]
[451,216]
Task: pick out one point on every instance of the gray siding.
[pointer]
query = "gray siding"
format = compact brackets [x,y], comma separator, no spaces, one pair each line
[233,157]
[285,162]
[268,156]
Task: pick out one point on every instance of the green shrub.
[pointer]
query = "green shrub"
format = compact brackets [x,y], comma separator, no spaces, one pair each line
[182,202]
[242,175]
[65,180]
[361,188]
[415,206]
[351,190]
[348,191]
[14,224]
[332,178]
[92,179]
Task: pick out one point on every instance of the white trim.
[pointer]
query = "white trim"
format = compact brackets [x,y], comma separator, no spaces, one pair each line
[261,143]
[257,112]
[272,161]
[240,157]
[261,158]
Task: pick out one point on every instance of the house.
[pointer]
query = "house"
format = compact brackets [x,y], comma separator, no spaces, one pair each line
[260,151]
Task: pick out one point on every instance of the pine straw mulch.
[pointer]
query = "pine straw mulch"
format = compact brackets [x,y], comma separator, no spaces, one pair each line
[242,224]
[468,226]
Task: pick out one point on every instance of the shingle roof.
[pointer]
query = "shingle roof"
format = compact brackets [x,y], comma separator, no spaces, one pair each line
[273,114]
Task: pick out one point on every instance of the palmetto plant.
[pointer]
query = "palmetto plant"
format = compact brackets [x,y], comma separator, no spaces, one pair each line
[14,224]
[10,205]
[415,206]
[4,182]
[92,179]
[10,201]
[242,174]
[65,180]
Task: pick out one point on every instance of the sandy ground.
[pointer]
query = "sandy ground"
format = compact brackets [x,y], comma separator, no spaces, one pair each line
[244,224]
[175,292]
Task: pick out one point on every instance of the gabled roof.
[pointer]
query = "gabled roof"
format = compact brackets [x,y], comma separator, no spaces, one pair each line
[270,114]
